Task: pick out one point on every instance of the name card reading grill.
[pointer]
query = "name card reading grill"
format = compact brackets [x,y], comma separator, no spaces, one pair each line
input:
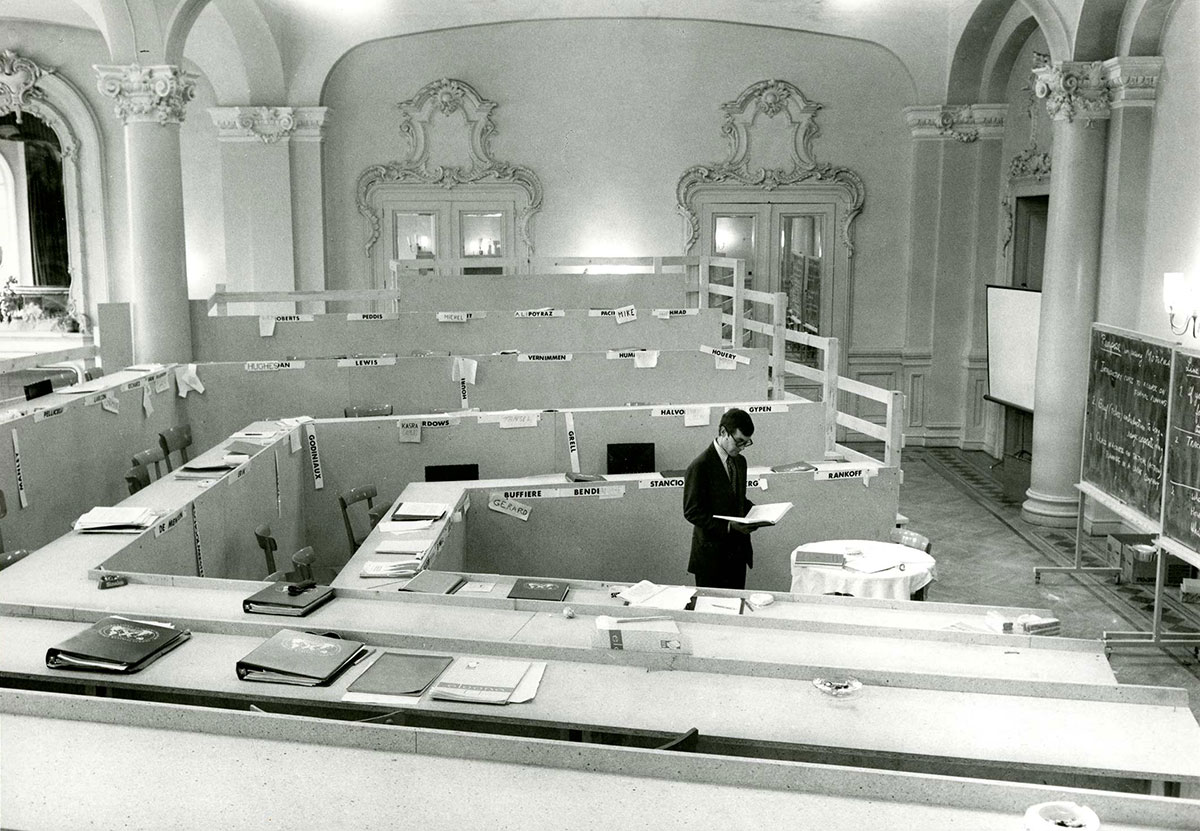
[362,362]
[369,316]
[543,357]
[272,366]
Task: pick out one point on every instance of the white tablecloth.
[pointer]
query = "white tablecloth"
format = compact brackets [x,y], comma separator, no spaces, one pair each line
[896,583]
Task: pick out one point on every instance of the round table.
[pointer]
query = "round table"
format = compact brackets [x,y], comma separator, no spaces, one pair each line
[908,570]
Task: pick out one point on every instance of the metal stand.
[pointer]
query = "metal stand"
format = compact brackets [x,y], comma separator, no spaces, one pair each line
[1078,568]
[1156,637]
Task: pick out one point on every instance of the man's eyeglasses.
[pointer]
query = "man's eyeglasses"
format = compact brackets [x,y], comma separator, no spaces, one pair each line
[741,444]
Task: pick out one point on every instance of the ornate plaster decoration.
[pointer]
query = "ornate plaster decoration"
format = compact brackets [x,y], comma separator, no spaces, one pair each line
[771,99]
[1133,81]
[18,83]
[1074,89]
[1007,208]
[1030,163]
[445,98]
[147,93]
[265,124]
[966,123]
[310,123]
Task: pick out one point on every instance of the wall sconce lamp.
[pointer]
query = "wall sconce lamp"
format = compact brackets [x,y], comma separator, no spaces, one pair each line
[1181,296]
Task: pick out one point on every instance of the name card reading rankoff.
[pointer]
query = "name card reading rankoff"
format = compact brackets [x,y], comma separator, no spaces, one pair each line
[369,316]
[853,472]
[540,313]
[363,362]
[272,366]
[544,357]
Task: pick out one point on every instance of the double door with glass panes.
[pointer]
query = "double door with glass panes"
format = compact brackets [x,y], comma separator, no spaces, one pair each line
[786,249]
[479,234]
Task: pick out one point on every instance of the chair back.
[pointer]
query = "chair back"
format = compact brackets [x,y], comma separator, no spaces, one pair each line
[268,545]
[368,410]
[136,478]
[303,560]
[178,438]
[363,493]
[92,373]
[911,539]
[150,456]
[11,557]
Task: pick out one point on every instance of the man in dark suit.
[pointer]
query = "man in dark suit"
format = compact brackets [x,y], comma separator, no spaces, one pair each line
[716,484]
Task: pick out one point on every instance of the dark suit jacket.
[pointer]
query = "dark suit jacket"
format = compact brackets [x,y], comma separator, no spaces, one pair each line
[707,491]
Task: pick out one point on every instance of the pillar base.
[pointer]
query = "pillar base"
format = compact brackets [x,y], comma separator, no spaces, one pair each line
[1051,511]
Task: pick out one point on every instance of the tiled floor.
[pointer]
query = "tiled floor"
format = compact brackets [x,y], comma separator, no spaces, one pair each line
[986,554]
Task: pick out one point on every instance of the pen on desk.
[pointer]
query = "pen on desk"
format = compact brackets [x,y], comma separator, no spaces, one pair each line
[639,619]
[367,653]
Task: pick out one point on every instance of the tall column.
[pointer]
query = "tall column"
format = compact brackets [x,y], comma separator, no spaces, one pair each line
[308,198]
[150,101]
[1078,101]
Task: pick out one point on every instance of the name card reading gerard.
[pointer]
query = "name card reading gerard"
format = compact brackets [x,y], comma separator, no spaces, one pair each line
[272,366]
[540,313]
[369,316]
[365,362]
[543,357]
[503,505]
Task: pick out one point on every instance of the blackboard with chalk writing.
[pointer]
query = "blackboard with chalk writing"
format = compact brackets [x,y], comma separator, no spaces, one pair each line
[1125,426]
[1181,503]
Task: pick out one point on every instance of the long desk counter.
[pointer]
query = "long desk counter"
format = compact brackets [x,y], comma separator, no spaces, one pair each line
[1117,745]
[60,753]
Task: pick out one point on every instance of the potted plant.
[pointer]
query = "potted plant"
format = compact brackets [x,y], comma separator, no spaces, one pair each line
[10,301]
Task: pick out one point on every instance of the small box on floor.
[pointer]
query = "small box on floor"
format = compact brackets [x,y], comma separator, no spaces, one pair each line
[1189,590]
[1136,568]
[1115,544]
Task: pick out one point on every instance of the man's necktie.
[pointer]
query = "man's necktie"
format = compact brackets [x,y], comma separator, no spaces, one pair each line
[730,469]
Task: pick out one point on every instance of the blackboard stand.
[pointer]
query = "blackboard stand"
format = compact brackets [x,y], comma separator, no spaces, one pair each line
[1156,637]
[1114,505]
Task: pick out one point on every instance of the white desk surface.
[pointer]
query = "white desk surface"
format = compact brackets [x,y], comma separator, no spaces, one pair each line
[252,771]
[1148,740]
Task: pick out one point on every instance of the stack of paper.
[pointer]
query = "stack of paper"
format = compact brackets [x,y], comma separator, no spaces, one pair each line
[116,520]
[875,562]
[719,605]
[1038,625]
[489,681]
[391,568]
[215,467]
[417,511]
[801,557]
[650,595]
[760,514]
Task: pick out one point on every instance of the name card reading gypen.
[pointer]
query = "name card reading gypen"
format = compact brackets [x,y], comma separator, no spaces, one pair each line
[272,366]
[364,362]
[773,407]
[369,316]
[540,313]
[543,357]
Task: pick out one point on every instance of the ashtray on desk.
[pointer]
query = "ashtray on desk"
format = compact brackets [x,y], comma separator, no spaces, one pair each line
[838,687]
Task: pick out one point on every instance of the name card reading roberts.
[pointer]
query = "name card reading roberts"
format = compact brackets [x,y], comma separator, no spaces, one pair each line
[501,504]
[410,432]
[511,420]
[361,362]
[540,313]
[272,366]
[667,314]
[293,318]
[677,482]
[167,524]
[368,316]
[48,412]
[532,357]
[726,355]
[626,314]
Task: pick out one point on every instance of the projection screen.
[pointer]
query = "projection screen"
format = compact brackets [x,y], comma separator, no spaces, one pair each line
[1012,335]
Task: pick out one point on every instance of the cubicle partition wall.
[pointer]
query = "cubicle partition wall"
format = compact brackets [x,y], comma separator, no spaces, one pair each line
[241,337]
[237,393]
[70,451]
[632,528]
[448,292]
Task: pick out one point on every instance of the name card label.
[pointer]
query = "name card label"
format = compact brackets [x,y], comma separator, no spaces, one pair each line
[132,385]
[368,316]
[503,505]
[95,398]
[162,383]
[448,421]
[618,354]
[697,415]
[572,440]
[773,407]
[661,483]
[722,354]
[167,524]
[459,317]
[364,362]
[22,496]
[410,432]
[602,312]
[626,314]
[272,366]
[462,394]
[147,402]
[314,456]
[667,314]
[111,404]
[542,357]
[668,412]
[843,473]
[49,412]
[602,491]
[540,313]
[511,420]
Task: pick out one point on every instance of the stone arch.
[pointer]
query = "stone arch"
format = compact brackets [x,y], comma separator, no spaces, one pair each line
[1142,27]
[1008,45]
[1096,32]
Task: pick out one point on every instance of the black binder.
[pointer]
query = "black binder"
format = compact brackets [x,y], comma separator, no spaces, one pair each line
[116,644]
[301,658]
[524,589]
[275,600]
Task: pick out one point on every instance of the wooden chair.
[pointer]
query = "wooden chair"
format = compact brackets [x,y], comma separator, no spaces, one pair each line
[7,559]
[268,545]
[93,373]
[3,514]
[911,539]
[151,456]
[136,478]
[363,493]
[177,438]
[303,569]
[368,410]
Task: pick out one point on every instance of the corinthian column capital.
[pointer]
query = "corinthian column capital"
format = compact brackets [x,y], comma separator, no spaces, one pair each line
[147,93]
[1074,89]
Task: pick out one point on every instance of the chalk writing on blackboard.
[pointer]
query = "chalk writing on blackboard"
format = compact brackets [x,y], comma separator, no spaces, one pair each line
[1181,502]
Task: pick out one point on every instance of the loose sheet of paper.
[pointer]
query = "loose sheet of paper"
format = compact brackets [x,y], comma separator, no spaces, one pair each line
[266,326]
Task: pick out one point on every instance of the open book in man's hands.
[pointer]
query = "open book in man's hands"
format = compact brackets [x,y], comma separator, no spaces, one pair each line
[760,515]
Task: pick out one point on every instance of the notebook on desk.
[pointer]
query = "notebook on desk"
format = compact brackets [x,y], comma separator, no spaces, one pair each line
[523,589]
[299,658]
[396,677]
[116,644]
[480,680]
[434,582]
[276,600]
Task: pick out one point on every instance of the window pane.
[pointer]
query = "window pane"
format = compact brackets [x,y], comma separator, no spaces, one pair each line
[482,234]
[414,235]
[800,278]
